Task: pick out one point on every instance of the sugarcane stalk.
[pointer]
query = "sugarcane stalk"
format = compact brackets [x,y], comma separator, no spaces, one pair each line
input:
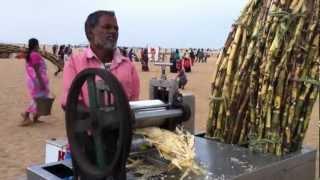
[218,81]
[304,121]
[293,4]
[244,61]
[234,47]
[264,103]
[234,137]
[311,88]
[298,7]
[244,130]
[8,48]
[220,125]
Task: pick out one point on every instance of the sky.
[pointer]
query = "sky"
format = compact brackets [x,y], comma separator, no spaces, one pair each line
[164,23]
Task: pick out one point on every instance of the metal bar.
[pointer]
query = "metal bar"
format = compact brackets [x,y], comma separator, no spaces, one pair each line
[155,117]
[146,104]
[93,101]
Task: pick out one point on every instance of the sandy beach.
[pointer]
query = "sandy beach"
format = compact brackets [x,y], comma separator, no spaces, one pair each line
[21,147]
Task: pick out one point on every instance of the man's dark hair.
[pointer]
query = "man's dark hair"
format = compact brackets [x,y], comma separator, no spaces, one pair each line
[93,20]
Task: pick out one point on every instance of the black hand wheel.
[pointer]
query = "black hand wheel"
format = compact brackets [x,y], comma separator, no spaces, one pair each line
[101,138]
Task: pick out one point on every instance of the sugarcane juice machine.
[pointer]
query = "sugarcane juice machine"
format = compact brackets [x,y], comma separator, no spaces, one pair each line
[100,136]
[101,139]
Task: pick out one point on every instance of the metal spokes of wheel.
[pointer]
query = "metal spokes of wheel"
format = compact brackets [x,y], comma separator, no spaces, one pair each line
[99,135]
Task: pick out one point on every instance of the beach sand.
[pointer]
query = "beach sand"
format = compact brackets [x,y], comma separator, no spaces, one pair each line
[21,147]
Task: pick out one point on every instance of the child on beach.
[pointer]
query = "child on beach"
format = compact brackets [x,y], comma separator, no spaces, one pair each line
[181,78]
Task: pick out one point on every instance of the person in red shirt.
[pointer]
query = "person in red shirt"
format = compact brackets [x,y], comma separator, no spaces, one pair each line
[187,64]
[102,30]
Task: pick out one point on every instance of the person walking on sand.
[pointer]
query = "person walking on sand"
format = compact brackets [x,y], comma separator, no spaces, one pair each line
[61,59]
[181,78]
[192,57]
[173,66]
[153,55]
[145,60]
[130,54]
[37,81]
[197,55]
[186,64]
[54,49]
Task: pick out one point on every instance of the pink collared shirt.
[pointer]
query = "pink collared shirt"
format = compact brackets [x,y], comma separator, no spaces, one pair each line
[121,67]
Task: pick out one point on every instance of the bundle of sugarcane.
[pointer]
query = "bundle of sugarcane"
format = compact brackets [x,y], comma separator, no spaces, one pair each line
[8,48]
[177,147]
[260,95]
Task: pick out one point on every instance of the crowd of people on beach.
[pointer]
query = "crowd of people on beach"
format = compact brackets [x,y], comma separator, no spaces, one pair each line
[121,58]
[180,64]
[182,61]
[63,53]
[144,55]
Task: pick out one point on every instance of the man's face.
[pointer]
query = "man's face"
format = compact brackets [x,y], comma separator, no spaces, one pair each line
[105,34]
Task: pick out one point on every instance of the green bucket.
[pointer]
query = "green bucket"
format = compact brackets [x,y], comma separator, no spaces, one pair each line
[44,105]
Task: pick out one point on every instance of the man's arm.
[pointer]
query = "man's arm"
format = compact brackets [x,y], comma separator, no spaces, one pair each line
[69,73]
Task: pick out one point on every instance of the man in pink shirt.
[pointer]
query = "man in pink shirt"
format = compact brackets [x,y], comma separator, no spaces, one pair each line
[102,32]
